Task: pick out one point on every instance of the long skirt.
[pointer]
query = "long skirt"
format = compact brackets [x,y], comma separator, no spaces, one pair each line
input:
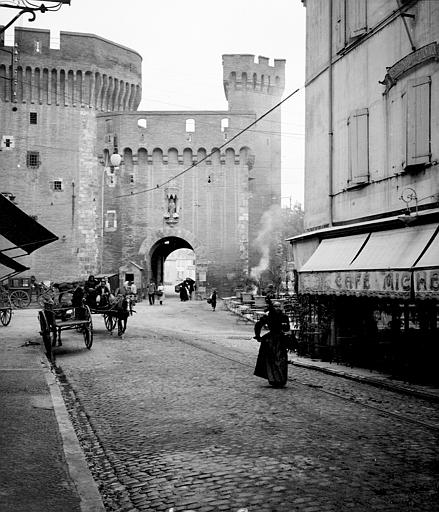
[272,362]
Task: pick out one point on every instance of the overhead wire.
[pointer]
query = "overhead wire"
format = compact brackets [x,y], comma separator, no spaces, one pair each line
[216,150]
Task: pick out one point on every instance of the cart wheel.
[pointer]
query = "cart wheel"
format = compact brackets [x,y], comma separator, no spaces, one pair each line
[45,333]
[110,322]
[5,316]
[87,330]
[20,298]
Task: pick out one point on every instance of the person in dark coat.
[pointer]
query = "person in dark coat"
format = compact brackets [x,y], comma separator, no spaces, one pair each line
[91,291]
[272,362]
[183,292]
[213,299]
[190,286]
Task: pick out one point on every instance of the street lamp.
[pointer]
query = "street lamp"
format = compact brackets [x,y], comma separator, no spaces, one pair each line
[114,163]
[28,6]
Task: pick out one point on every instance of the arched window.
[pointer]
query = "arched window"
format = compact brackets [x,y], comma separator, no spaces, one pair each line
[190,125]
[172,156]
[187,156]
[244,80]
[255,80]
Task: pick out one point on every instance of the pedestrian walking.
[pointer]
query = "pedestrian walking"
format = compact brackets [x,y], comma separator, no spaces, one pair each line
[183,292]
[161,293]
[190,287]
[151,289]
[212,299]
[272,361]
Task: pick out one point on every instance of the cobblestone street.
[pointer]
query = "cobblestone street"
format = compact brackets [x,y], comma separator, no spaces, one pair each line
[172,418]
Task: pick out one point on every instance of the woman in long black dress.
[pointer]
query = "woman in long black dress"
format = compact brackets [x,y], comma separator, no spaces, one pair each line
[272,362]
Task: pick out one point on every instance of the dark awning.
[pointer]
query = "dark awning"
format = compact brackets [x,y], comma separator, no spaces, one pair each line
[11,263]
[21,229]
[381,264]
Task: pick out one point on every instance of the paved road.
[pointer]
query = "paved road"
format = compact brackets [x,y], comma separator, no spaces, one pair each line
[171,418]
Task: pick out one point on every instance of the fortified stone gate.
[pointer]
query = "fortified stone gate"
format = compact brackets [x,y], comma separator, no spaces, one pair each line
[179,185]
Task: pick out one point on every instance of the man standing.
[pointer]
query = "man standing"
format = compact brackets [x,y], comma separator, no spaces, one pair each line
[151,289]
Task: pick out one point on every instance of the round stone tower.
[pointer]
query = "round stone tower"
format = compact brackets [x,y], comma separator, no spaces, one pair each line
[49,98]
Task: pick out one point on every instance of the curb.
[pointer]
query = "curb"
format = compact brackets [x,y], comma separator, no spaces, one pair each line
[90,498]
[391,386]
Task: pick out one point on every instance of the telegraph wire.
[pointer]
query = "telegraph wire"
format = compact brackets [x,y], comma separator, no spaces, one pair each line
[158,186]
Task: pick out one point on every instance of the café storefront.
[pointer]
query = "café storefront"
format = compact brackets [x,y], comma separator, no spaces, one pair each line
[372,296]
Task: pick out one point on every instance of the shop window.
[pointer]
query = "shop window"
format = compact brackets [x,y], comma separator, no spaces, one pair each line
[358,147]
[418,122]
[33,118]
[33,159]
[110,220]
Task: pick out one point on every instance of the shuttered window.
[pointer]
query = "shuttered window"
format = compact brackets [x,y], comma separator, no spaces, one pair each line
[339,24]
[418,121]
[358,144]
[356,20]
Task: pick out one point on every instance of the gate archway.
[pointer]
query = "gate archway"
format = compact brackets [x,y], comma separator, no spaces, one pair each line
[160,250]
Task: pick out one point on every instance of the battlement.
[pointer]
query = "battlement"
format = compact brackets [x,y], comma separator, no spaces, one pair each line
[81,70]
[242,72]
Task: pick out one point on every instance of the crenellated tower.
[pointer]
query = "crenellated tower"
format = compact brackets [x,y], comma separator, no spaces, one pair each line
[50,95]
[252,85]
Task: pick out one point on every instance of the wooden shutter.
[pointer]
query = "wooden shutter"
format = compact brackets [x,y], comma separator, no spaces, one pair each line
[339,24]
[418,121]
[358,132]
[356,20]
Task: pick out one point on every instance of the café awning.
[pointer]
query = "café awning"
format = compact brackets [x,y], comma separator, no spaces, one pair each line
[395,249]
[335,253]
[382,263]
[426,271]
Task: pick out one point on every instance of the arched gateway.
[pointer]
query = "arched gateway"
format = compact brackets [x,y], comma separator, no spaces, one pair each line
[158,245]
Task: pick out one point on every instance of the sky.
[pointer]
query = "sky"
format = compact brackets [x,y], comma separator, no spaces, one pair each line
[182,43]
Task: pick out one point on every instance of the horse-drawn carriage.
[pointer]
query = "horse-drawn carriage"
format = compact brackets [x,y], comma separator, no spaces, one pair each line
[72,309]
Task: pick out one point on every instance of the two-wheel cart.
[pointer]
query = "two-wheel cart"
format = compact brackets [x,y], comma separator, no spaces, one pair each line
[54,320]
[113,317]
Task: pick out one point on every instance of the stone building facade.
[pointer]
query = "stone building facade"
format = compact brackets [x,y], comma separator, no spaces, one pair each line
[368,262]
[65,111]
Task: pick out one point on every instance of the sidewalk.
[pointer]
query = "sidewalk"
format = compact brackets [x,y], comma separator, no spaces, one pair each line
[373,378]
[42,467]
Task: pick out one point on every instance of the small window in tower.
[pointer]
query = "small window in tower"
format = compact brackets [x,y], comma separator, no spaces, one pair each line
[141,123]
[37,47]
[190,125]
[57,185]
[110,220]
[7,142]
[108,126]
[131,178]
[33,118]
[33,159]
[224,124]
